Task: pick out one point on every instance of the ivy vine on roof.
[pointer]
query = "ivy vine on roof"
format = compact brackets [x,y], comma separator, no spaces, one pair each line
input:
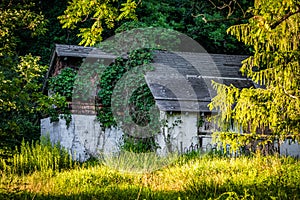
[108,82]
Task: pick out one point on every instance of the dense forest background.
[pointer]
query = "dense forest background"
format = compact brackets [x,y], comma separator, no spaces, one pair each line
[30,28]
[204,21]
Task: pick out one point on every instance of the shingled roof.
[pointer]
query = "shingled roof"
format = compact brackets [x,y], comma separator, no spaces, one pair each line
[75,51]
[81,51]
[181,81]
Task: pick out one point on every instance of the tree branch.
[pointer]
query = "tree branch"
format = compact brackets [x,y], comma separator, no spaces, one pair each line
[86,17]
[292,96]
[285,17]
[231,8]
[222,19]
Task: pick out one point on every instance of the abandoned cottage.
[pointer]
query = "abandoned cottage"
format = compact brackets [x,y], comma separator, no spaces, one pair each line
[180,84]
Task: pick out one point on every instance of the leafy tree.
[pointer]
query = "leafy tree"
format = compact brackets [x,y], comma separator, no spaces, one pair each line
[21,99]
[15,18]
[42,45]
[273,109]
[165,14]
[97,15]
[204,21]
[209,21]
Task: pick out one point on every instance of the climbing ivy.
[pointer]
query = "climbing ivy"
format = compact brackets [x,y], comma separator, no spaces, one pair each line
[62,87]
[123,87]
[73,86]
[141,100]
[63,83]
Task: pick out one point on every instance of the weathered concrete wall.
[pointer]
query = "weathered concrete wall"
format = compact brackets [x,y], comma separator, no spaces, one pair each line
[84,137]
[291,148]
[180,132]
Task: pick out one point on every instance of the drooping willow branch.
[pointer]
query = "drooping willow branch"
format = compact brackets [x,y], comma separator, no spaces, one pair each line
[285,17]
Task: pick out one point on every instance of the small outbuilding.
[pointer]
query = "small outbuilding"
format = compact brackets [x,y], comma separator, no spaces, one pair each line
[181,84]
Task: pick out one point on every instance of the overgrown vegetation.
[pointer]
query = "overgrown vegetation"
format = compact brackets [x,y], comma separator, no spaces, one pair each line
[111,76]
[22,102]
[130,102]
[43,172]
[133,100]
[37,156]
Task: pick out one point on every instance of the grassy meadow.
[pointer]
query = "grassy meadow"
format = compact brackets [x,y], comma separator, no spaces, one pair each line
[39,171]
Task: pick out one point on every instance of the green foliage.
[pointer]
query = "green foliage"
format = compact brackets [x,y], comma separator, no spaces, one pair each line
[58,109]
[19,82]
[141,101]
[75,85]
[42,45]
[212,35]
[22,102]
[127,26]
[165,14]
[63,83]
[210,21]
[86,81]
[142,38]
[98,15]
[140,104]
[204,21]
[16,17]
[274,108]
[72,86]
[126,100]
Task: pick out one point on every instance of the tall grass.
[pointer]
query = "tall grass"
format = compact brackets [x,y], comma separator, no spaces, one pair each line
[193,176]
[37,156]
[131,162]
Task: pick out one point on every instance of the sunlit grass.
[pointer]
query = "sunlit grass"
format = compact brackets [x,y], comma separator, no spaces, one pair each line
[131,162]
[147,176]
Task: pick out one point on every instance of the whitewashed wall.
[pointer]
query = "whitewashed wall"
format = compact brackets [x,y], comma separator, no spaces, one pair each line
[84,137]
[176,138]
[291,148]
